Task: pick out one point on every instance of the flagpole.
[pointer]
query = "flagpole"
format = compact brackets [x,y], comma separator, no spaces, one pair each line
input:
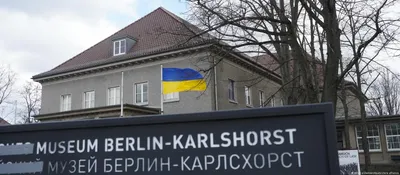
[122,94]
[162,95]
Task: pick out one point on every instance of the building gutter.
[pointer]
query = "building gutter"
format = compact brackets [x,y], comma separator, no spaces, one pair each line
[379,119]
[215,85]
[98,110]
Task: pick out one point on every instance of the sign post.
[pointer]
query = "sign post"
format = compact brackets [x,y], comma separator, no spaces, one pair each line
[293,140]
[349,162]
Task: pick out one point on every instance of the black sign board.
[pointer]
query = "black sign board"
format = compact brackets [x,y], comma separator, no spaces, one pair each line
[290,140]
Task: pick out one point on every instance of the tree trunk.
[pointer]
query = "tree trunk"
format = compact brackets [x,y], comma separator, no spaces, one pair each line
[345,109]
[365,144]
[346,116]
[334,51]
[302,61]
[288,96]
[289,75]
[346,119]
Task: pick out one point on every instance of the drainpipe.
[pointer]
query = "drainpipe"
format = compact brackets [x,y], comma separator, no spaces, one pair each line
[215,86]
[122,94]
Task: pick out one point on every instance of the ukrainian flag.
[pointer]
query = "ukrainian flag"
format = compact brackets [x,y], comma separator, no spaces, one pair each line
[182,79]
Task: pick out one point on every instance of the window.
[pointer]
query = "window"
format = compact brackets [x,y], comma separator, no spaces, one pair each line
[119,47]
[372,137]
[65,102]
[171,97]
[261,97]
[114,96]
[272,102]
[247,92]
[141,93]
[231,90]
[392,131]
[88,99]
[276,101]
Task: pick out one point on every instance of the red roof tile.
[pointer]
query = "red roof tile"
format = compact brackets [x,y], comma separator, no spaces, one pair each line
[268,62]
[271,64]
[158,31]
[3,122]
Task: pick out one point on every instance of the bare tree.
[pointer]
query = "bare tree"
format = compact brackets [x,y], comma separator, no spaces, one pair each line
[294,33]
[31,94]
[384,95]
[263,28]
[363,27]
[7,80]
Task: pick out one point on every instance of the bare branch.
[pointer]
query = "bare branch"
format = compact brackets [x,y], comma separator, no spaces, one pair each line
[7,80]
[31,93]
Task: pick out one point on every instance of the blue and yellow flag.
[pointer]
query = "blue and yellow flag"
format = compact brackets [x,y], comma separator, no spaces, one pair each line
[178,80]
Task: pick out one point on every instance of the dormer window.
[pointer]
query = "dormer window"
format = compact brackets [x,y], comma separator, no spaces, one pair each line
[119,47]
[122,44]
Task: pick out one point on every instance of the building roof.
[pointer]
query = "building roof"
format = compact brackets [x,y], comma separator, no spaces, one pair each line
[158,31]
[3,122]
[270,63]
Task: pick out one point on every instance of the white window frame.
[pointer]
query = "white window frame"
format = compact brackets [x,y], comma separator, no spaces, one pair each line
[171,97]
[261,97]
[142,102]
[63,106]
[91,99]
[121,44]
[116,99]
[232,84]
[369,137]
[272,101]
[247,94]
[393,135]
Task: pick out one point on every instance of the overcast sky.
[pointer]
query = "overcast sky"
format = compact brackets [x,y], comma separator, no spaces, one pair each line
[39,35]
